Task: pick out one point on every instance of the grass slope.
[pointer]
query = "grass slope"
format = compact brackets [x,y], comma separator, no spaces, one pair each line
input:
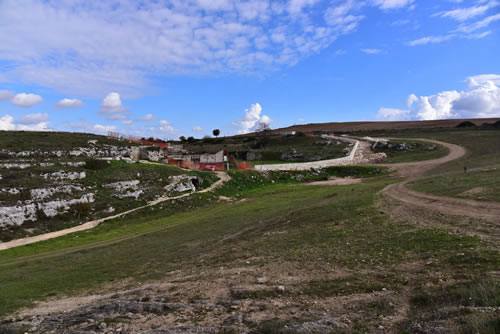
[338,227]
[420,152]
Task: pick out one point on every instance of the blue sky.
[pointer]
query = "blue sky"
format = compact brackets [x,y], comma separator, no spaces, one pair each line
[169,68]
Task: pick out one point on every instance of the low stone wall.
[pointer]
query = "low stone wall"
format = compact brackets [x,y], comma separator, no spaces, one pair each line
[347,160]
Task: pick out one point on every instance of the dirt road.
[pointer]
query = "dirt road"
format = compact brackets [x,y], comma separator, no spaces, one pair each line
[223,177]
[455,206]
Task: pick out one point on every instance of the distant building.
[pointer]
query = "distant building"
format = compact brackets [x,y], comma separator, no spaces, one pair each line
[288,133]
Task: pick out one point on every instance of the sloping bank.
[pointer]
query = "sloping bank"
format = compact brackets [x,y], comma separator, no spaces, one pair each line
[347,160]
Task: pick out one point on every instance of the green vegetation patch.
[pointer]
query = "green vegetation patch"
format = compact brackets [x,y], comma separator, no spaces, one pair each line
[480,184]
[17,141]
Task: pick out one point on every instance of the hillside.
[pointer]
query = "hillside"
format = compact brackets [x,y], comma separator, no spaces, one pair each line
[53,180]
[279,252]
[384,126]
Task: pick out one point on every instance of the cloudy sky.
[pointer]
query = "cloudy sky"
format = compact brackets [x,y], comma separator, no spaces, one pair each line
[167,68]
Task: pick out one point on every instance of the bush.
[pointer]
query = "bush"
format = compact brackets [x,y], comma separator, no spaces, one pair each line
[466,124]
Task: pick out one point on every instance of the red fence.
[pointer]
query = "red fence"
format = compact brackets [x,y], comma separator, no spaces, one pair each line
[242,165]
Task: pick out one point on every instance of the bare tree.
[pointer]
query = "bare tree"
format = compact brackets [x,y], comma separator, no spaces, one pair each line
[263,127]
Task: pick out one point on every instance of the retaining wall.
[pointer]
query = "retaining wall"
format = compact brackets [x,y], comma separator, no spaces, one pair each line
[347,160]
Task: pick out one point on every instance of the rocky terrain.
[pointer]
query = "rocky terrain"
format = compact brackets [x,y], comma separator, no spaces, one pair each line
[45,189]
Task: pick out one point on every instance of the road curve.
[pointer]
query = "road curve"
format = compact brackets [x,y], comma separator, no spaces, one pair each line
[223,177]
[412,171]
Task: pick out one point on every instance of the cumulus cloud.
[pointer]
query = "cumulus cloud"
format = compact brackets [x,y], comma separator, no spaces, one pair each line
[197,129]
[7,123]
[26,100]
[480,100]
[31,122]
[148,117]
[6,95]
[112,104]
[69,103]
[251,119]
[127,122]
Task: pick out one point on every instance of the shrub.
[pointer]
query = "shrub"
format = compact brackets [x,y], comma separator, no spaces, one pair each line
[466,124]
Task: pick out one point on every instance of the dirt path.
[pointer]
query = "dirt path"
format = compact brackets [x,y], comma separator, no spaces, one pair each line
[448,205]
[223,177]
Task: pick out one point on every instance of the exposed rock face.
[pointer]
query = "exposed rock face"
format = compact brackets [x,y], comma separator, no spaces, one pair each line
[30,210]
[15,166]
[292,155]
[182,183]
[62,175]
[126,188]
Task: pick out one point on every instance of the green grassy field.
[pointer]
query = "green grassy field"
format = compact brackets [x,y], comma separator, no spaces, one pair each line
[17,141]
[481,184]
[318,226]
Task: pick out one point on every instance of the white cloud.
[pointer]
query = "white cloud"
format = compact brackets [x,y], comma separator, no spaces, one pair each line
[468,28]
[477,80]
[392,114]
[481,99]
[296,6]
[31,122]
[69,103]
[372,51]
[92,127]
[112,104]
[90,48]
[116,117]
[7,123]
[127,122]
[34,118]
[26,100]
[6,95]
[42,126]
[463,14]
[148,117]
[197,129]
[251,119]
[166,127]
[431,40]
[392,4]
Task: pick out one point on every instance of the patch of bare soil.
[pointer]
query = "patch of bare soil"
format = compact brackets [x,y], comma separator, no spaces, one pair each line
[239,298]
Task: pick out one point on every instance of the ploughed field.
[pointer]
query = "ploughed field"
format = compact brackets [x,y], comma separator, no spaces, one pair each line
[267,253]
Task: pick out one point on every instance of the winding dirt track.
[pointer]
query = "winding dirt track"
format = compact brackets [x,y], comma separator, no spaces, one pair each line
[223,177]
[455,206]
